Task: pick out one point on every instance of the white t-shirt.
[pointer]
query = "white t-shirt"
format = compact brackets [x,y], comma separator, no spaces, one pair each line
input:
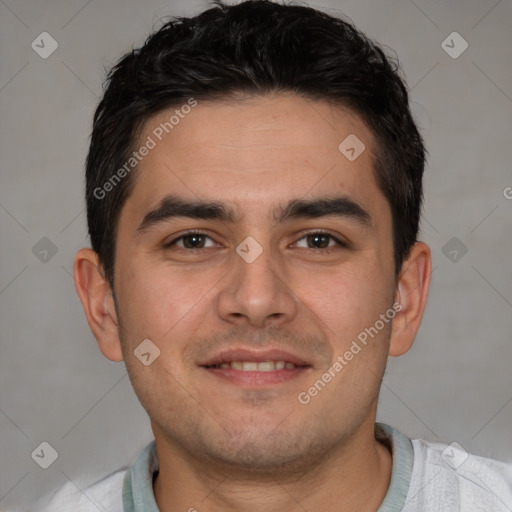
[426,477]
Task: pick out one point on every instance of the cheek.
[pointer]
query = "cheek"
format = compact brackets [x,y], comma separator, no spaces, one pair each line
[165,311]
[351,297]
[146,303]
[159,302]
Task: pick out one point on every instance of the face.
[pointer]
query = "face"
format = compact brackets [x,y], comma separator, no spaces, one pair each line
[284,259]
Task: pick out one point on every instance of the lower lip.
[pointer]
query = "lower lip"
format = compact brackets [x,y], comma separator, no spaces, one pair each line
[257,379]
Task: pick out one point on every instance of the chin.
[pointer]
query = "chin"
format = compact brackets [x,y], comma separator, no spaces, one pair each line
[266,450]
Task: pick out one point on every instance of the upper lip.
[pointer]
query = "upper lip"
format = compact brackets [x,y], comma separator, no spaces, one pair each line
[251,355]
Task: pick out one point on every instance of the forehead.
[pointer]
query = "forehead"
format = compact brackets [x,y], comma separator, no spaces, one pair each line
[260,151]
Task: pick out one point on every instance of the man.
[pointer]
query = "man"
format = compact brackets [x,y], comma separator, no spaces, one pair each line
[254,188]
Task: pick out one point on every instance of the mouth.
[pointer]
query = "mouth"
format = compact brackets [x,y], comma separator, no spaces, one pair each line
[250,368]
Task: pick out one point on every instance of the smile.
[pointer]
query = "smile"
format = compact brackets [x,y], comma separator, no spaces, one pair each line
[253,366]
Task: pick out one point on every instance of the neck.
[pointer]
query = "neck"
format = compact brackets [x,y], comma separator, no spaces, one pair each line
[354,476]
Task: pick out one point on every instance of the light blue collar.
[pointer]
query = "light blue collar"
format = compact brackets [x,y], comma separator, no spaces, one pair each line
[138,482]
[403,458]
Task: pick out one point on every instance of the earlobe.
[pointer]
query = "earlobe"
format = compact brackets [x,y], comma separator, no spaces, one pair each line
[411,294]
[97,300]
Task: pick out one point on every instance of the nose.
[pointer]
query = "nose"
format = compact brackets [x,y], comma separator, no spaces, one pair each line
[256,293]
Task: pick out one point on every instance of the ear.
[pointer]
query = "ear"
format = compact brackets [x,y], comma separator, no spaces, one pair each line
[411,294]
[98,303]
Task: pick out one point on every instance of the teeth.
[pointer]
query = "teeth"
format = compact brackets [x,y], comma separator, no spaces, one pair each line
[252,366]
[266,366]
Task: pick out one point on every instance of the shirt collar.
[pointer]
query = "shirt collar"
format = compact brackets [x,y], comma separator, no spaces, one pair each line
[403,458]
[138,493]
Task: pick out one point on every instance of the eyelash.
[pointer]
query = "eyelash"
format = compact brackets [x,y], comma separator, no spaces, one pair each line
[201,233]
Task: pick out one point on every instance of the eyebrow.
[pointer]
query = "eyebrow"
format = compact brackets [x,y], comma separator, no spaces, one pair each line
[172,206]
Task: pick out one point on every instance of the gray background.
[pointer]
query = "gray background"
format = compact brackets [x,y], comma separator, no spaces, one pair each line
[55,386]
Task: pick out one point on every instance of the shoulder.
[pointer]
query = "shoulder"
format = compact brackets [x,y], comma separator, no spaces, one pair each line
[105,495]
[446,477]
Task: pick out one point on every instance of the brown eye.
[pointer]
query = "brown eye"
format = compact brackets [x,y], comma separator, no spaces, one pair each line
[319,240]
[192,241]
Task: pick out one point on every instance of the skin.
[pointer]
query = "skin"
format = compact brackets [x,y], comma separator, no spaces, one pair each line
[223,445]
